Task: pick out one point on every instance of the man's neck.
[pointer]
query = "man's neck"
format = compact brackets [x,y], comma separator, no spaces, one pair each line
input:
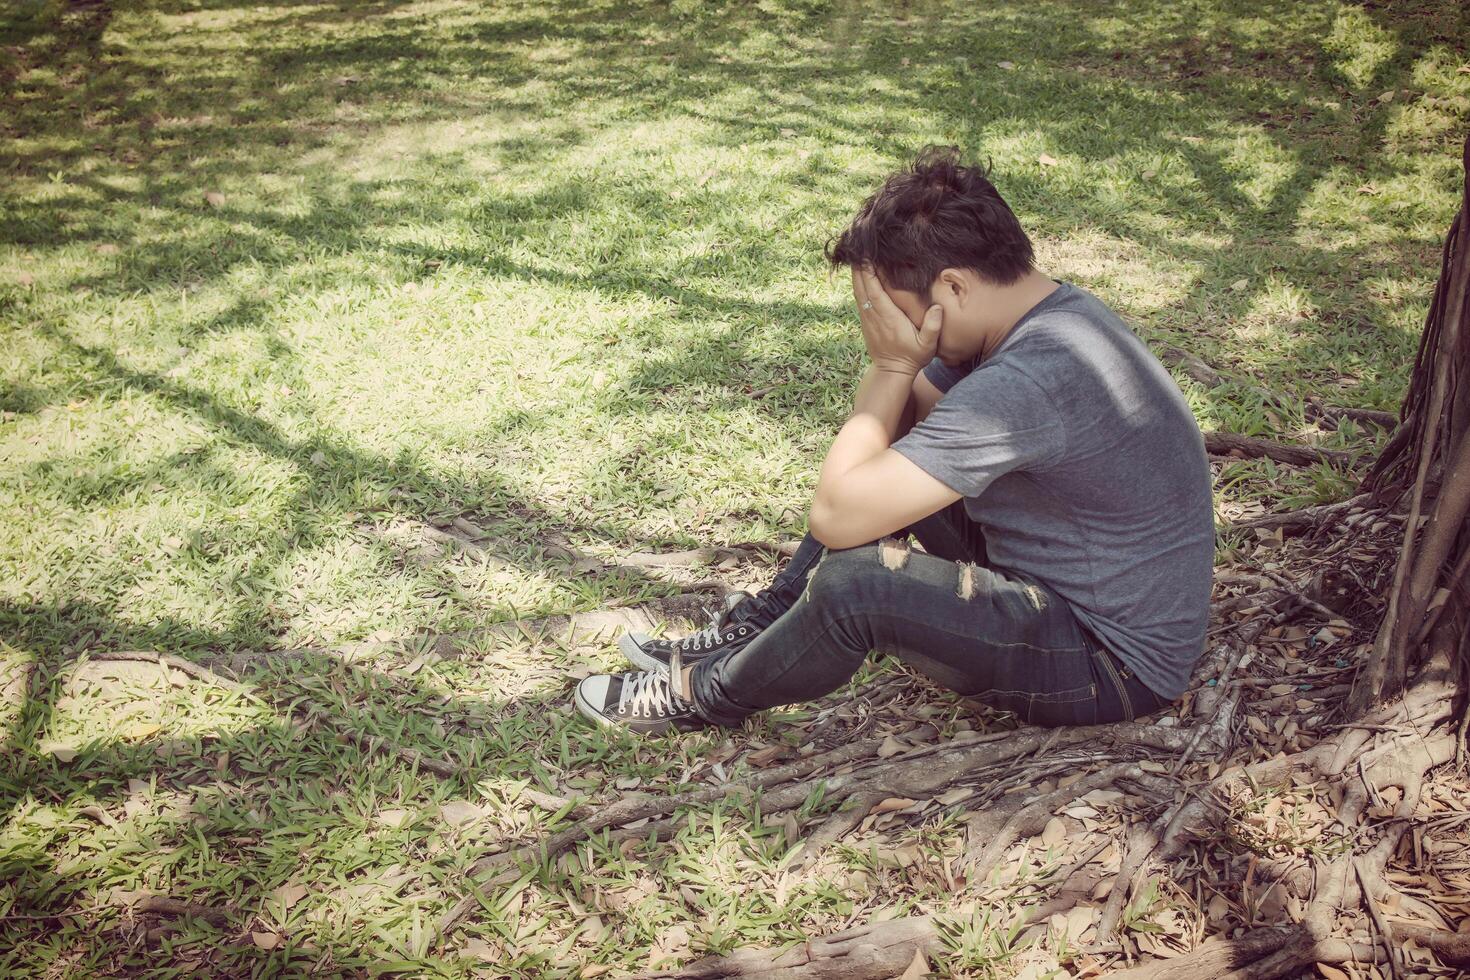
[1013,302]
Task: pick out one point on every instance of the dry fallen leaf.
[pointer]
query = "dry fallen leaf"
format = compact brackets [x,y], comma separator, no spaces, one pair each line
[265,940]
[669,944]
[1054,832]
[1005,65]
[1240,284]
[289,894]
[898,857]
[142,730]
[214,199]
[391,818]
[1047,160]
[1272,903]
[479,949]
[890,747]
[1331,972]
[98,814]
[892,804]
[1101,797]
[918,967]
[761,758]
[1074,922]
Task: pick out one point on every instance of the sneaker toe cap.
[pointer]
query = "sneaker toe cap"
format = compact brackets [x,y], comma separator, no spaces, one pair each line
[592,692]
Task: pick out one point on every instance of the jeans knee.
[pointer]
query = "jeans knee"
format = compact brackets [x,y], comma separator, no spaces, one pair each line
[842,576]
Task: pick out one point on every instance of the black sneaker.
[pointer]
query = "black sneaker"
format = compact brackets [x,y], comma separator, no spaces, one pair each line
[743,618]
[640,702]
[647,653]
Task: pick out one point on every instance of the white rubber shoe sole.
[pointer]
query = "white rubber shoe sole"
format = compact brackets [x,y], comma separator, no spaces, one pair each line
[631,646]
[586,705]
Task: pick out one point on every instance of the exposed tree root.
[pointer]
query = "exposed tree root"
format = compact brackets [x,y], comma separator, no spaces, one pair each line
[1386,755]
[1396,746]
[1218,956]
[412,758]
[163,905]
[852,772]
[1229,443]
[1334,415]
[1032,818]
[196,671]
[1451,947]
[868,952]
[836,826]
[1318,515]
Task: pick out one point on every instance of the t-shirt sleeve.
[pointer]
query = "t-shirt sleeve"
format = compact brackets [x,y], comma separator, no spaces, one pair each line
[992,422]
[944,377]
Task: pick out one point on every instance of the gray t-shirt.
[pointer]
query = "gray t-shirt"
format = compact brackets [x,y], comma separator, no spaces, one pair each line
[1079,457]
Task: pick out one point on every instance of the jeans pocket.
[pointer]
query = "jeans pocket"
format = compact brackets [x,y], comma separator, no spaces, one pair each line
[1077,706]
[1049,709]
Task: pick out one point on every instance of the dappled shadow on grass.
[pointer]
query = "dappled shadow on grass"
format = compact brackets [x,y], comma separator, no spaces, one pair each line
[293,801]
[295,844]
[349,214]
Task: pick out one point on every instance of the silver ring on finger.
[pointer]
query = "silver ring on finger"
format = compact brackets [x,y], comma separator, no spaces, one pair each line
[867,306]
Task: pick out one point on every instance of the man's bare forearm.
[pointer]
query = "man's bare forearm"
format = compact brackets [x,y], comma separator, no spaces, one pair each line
[882,410]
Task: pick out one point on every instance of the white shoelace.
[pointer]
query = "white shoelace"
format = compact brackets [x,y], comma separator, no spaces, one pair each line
[645,694]
[710,637]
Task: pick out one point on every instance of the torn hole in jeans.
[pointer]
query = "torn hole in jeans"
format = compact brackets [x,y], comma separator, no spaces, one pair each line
[893,553]
[966,588]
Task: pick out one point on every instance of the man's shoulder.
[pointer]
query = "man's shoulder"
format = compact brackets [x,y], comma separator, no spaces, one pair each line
[1078,335]
[1077,320]
[1076,339]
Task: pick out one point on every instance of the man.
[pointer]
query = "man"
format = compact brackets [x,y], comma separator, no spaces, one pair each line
[1041,456]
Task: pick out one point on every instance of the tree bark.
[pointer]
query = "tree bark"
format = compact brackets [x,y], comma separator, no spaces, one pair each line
[1428,462]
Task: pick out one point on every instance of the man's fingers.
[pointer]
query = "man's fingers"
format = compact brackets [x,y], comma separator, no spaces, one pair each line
[859,291]
[876,294]
[933,320]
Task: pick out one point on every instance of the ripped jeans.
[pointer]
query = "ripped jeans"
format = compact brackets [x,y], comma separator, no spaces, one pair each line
[980,631]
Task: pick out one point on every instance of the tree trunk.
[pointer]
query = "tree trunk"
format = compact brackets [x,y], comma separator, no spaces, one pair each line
[1426,466]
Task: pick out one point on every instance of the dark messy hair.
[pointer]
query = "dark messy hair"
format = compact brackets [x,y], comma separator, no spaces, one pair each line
[936,214]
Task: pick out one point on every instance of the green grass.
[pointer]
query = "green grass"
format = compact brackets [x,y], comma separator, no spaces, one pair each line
[281,282]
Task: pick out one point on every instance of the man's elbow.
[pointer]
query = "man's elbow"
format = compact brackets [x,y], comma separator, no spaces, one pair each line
[828,528]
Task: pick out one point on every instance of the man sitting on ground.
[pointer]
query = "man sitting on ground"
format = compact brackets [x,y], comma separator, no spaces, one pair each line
[1042,457]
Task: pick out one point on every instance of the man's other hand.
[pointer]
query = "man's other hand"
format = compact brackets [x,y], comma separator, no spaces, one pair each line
[894,342]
